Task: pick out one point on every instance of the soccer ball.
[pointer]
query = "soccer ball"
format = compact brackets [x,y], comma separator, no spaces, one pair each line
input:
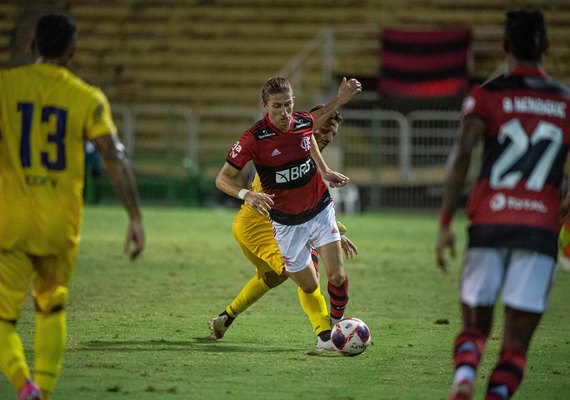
[350,336]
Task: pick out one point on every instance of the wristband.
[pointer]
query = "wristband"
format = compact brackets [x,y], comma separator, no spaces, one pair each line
[242,193]
[445,219]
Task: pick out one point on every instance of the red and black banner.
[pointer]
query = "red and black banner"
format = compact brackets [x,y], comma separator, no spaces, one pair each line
[426,63]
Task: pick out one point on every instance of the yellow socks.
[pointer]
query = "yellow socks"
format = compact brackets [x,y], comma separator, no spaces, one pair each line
[315,306]
[49,348]
[249,294]
[12,361]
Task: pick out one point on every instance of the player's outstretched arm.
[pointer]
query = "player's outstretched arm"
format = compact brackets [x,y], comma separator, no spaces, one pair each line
[336,179]
[346,91]
[122,178]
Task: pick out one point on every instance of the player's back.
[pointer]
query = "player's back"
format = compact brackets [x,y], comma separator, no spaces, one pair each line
[44,115]
[526,142]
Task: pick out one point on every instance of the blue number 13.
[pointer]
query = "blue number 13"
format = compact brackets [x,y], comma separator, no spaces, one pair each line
[57,137]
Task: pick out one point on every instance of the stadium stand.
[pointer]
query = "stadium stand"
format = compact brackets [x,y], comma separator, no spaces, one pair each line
[215,54]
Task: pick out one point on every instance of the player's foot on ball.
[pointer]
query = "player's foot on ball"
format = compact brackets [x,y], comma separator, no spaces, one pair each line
[335,320]
[218,326]
[30,391]
[462,390]
[324,342]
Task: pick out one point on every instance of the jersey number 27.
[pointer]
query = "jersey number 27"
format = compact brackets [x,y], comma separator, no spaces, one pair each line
[502,175]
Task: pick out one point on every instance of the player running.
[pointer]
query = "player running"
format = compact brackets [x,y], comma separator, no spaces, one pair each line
[514,208]
[286,156]
[46,114]
[254,234]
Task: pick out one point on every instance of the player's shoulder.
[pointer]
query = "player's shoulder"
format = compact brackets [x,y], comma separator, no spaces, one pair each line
[84,86]
[516,82]
[302,119]
[262,130]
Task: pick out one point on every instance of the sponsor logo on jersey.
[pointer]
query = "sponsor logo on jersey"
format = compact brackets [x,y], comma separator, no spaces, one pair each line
[235,150]
[302,123]
[500,202]
[532,105]
[306,143]
[293,173]
[39,180]
[275,152]
[264,134]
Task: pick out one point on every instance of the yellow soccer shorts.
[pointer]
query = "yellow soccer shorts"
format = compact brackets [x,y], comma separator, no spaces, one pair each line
[50,276]
[254,234]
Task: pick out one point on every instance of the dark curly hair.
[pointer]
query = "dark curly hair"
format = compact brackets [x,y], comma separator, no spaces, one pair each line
[54,33]
[525,34]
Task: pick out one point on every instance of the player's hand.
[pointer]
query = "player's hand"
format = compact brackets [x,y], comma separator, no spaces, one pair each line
[260,202]
[134,242]
[335,179]
[347,89]
[445,239]
[348,247]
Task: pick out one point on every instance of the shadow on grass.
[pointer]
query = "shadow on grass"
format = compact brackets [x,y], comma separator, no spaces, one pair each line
[195,344]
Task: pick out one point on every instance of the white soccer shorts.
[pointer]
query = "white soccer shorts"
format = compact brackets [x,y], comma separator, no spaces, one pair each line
[295,241]
[525,278]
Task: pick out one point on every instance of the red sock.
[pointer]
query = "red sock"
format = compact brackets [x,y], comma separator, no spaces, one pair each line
[468,348]
[315,258]
[507,375]
[338,296]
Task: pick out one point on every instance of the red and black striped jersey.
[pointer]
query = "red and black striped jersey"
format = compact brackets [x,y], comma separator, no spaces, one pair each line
[515,202]
[285,167]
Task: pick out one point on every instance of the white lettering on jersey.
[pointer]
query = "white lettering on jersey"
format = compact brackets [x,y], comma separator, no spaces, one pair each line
[500,202]
[235,150]
[293,173]
[532,105]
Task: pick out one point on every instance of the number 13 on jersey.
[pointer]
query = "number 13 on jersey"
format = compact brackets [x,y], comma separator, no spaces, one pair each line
[55,161]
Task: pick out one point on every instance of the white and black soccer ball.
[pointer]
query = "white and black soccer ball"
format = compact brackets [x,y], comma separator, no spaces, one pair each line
[350,336]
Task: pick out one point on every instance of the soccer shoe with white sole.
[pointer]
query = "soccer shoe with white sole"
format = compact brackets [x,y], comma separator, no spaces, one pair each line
[218,326]
[30,391]
[462,390]
[325,345]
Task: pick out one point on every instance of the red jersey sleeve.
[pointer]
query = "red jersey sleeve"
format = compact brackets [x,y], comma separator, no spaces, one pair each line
[475,104]
[242,151]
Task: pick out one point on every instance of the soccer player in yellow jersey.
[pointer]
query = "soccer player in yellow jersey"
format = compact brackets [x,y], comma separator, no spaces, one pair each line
[254,234]
[46,114]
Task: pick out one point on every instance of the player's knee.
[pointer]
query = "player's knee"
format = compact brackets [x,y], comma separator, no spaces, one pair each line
[51,301]
[309,287]
[272,279]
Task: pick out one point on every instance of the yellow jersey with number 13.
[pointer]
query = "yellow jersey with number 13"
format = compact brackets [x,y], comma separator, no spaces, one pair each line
[46,113]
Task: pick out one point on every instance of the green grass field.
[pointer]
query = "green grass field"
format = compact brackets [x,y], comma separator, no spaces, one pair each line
[138,330]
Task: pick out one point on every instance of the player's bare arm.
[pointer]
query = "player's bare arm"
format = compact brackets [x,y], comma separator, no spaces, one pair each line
[336,179]
[122,178]
[346,91]
[228,181]
[471,130]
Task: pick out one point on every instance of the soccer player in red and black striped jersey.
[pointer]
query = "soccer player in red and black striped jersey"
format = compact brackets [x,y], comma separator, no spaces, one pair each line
[291,170]
[515,208]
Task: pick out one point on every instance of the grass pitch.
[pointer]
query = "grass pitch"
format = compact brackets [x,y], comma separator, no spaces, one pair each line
[138,330]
